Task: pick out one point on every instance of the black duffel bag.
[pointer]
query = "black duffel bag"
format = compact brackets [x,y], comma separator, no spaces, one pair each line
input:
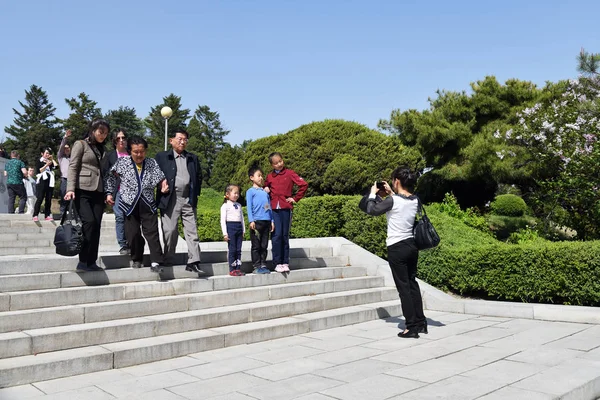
[425,235]
[68,237]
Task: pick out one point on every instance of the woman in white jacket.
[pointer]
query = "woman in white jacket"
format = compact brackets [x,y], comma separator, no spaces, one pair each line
[400,208]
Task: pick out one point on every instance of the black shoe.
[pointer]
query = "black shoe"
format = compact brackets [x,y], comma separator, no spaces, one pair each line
[422,329]
[156,267]
[136,264]
[94,267]
[124,251]
[409,334]
[192,268]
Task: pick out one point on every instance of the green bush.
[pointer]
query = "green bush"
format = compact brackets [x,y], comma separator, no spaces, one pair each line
[503,226]
[319,216]
[508,205]
[566,272]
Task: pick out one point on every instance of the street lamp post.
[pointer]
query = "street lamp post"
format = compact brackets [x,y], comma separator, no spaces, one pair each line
[166,113]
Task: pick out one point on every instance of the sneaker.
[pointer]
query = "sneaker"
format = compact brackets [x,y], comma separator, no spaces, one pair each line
[286,267]
[236,272]
[35,219]
[136,264]
[49,218]
[155,267]
[279,268]
[124,251]
[261,270]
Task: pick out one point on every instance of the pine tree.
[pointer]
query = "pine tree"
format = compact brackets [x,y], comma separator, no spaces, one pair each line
[197,145]
[213,134]
[125,118]
[83,111]
[35,127]
[156,123]
[588,63]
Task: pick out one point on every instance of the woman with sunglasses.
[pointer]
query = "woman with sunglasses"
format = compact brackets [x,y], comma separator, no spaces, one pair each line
[119,142]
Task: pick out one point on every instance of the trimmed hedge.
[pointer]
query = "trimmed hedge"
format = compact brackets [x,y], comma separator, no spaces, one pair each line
[563,272]
[509,205]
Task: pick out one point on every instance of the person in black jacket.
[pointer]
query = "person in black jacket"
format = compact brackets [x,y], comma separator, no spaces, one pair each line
[119,141]
[184,176]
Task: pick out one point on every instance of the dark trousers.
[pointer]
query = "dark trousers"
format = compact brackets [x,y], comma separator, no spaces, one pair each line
[63,190]
[142,216]
[44,193]
[260,242]
[90,206]
[281,236]
[403,257]
[13,192]
[235,232]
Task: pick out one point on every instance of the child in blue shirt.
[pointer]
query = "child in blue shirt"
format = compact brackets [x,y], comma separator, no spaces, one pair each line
[260,218]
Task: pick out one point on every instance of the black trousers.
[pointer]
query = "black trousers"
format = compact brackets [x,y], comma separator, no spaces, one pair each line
[260,242]
[143,216]
[63,190]
[13,192]
[403,257]
[44,193]
[90,206]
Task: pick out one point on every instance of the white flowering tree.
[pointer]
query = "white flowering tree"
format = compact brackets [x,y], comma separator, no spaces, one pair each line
[557,144]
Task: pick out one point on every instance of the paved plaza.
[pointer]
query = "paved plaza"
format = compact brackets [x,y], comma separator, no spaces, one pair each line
[463,357]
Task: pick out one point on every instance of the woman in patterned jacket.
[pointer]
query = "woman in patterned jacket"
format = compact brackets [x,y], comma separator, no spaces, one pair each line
[138,177]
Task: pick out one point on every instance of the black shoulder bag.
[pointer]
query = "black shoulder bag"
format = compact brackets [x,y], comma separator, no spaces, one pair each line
[68,237]
[425,235]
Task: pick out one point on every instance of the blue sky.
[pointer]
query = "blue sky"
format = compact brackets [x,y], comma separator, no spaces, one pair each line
[271,66]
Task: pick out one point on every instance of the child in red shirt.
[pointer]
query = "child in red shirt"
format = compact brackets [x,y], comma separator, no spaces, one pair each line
[279,185]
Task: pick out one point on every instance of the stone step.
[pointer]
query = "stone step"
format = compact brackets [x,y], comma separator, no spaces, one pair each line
[54,280]
[11,321]
[32,264]
[31,299]
[32,368]
[44,340]
[4,230]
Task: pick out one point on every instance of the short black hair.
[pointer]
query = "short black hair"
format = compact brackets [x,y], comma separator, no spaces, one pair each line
[48,149]
[182,131]
[136,140]
[253,170]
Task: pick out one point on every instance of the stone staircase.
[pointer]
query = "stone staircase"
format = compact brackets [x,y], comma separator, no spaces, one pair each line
[56,322]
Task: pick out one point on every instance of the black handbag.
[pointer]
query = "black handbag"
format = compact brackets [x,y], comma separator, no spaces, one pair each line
[68,237]
[425,235]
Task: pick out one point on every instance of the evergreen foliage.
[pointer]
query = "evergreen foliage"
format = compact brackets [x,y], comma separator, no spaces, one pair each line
[333,156]
[126,118]
[155,123]
[34,127]
[83,111]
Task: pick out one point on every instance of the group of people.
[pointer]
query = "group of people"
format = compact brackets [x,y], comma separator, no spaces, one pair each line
[269,203]
[137,187]
[31,185]
[126,179]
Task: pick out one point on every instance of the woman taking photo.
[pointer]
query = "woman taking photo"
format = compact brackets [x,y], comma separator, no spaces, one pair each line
[85,185]
[400,207]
